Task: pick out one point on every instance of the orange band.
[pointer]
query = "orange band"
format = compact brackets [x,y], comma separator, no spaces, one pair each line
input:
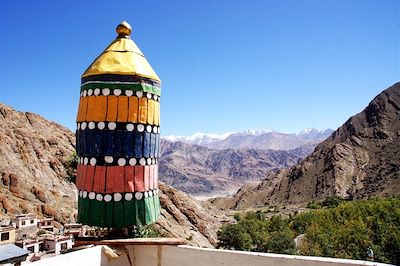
[119,109]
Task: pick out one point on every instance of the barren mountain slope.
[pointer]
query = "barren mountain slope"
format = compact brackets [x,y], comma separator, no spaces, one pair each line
[360,159]
[183,216]
[33,154]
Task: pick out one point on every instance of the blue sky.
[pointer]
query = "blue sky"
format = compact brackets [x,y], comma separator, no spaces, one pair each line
[225,65]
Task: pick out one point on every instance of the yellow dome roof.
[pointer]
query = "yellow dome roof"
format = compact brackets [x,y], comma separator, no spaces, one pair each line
[122,57]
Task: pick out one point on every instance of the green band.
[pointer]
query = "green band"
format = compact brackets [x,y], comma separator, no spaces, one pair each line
[122,86]
[118,214]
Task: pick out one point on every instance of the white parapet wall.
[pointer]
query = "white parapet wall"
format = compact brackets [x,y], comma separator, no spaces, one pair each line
[163,255]
[89,256]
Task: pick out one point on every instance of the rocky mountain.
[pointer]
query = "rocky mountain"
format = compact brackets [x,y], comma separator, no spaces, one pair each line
[198,170]
[183,216]
[255,139]
[360,159]
[34,155]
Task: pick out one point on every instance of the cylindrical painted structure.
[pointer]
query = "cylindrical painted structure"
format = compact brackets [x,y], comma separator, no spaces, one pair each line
[117,138]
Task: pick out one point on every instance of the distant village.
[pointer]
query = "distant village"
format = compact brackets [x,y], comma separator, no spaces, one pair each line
[27,238]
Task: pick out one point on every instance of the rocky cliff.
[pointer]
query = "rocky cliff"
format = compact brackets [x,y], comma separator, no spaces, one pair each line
[34,155]
[360,159]
[183,216]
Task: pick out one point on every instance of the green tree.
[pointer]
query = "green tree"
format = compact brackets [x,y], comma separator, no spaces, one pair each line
[234,236]
[314,205]
[301,222]
[348,230]
[137,231]
[237,217]
[276,223]
[70,167]
[391,245]
[280,242]
[342,229]
[331,201]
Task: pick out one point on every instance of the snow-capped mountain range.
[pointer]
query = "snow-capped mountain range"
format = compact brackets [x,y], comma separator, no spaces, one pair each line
[255,139]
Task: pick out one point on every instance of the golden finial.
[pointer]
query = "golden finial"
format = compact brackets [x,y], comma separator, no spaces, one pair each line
[124,29]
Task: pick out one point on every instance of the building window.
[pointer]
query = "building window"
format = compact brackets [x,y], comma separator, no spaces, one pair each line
[48,223]
[23,222]
[32,221]
[5,236]
[64,246]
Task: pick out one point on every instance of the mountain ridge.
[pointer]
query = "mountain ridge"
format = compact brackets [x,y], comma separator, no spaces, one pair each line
[360,159]
[202,171]
[255,139]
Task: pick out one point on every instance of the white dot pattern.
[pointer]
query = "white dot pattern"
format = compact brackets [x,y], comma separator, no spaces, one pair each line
[139,94]
[108,159]
[112,126]
[99,197]
[93,161]
[138,195]
[118,92]
[101,125]
[132,161]
[130,127]
[128,196]
[121,161]
[118,196]
[107,198]
[140,128]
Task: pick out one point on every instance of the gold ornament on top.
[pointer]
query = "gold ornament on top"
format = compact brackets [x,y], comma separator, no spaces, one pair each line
[124,30]
[122,57]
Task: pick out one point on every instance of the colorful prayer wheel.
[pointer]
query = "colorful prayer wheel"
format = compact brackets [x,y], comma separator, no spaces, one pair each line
[117,138]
